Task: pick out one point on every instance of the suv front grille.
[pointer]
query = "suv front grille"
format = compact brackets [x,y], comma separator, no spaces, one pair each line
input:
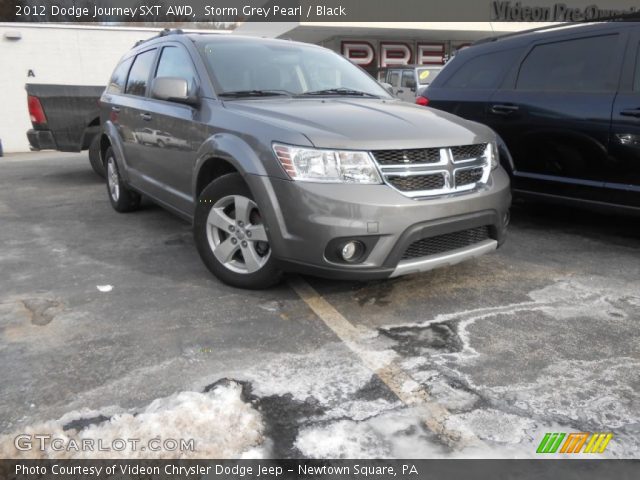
[427,172]
[466,152]
[404,157]
[415,183]
[468,176]
[446,242]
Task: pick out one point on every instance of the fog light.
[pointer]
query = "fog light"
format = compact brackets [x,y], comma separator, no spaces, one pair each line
[351,251]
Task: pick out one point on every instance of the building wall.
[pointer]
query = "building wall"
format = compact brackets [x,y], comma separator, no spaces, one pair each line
[55,54]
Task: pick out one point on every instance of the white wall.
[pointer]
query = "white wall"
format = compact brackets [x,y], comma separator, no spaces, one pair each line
[57,54]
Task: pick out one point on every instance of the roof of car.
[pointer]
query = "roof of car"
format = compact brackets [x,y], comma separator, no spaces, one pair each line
[218,38]
[526,36]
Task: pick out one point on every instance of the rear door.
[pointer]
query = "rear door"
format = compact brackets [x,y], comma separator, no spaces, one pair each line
[555,115]
[133,119]
[407,89]
[393,78]
[624,145]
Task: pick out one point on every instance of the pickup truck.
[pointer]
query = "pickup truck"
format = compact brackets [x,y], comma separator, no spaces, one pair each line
[66,118]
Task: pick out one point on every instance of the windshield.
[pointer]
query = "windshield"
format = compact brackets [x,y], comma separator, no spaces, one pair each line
[427,75]
[251,66]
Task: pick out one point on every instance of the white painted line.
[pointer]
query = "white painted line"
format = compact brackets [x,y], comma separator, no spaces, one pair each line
[410,392]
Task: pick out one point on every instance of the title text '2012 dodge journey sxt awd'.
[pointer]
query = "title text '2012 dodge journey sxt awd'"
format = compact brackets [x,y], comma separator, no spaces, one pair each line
[286,157]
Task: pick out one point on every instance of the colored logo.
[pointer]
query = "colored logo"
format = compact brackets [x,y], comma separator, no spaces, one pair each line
[574,442]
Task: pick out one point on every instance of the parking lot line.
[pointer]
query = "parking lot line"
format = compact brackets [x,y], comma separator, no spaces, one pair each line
[408,391]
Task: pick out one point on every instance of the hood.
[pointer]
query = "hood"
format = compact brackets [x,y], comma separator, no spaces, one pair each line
[367,124]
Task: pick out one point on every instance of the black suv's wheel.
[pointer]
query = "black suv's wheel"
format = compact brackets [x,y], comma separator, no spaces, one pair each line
[231,237]
[122,198]
[94,157]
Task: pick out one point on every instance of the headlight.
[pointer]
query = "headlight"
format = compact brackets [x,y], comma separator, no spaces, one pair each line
[494,156]
[331,166]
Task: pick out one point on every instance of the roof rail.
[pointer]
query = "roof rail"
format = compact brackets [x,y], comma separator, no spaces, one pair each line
[627,17]
[163,33]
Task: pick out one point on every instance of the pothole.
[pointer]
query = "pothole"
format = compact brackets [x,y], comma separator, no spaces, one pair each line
[416,341]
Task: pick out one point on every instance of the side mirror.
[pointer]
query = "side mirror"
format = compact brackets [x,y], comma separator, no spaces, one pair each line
[172,89]
[411,84]
[388,87]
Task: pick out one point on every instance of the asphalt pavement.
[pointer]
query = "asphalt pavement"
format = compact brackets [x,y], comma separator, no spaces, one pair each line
[103,314]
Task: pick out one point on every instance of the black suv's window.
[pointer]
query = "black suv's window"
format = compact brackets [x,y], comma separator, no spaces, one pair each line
[119,77]
[482,72]
[175,62]
[578,65]
[139,74]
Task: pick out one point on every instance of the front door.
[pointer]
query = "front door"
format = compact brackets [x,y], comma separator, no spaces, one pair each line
[178,132]
[624,146]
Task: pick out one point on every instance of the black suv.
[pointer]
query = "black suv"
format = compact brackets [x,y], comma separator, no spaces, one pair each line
[566,100]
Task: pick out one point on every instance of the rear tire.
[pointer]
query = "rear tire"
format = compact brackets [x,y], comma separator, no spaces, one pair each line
[122,198]
[95,159]
[231,236]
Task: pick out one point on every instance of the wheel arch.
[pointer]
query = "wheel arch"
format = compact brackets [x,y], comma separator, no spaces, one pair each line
[222,154]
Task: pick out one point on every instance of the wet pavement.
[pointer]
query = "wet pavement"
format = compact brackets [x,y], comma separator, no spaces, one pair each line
[540,336]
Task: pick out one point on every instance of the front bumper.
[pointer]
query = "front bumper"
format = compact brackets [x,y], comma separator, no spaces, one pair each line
[303,218]
[41,140]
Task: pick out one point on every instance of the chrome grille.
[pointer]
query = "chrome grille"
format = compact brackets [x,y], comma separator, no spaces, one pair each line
[434,171]
[444,243]
[466,152]
[468,176]
[415,183]
[403,157]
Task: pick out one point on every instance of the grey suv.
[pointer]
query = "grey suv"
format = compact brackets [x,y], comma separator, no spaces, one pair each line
[293,159]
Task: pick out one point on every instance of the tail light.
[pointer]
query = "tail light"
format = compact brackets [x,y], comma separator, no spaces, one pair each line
[424,101]
[35,111]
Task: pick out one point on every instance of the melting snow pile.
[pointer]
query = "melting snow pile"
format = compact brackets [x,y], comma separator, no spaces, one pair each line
[220,423]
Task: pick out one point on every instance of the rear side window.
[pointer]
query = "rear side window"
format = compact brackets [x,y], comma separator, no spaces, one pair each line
[407,77]
[119,77]
[482,72]
[579,65]
[394,77]
[139,74]
[175,62]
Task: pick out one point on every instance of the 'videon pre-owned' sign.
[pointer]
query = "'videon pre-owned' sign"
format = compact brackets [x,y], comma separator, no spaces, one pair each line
[507,11]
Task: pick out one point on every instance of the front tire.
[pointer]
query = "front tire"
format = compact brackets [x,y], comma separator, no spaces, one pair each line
[122,198]
[231,236]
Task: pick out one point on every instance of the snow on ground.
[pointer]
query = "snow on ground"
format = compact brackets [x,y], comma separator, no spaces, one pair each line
[221,424]
[326,404]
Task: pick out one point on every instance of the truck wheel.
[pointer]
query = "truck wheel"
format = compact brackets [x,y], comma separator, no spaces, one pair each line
[94,157]
[122,198]
[231,237]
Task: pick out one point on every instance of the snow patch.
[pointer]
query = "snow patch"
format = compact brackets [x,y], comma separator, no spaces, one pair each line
[221,424]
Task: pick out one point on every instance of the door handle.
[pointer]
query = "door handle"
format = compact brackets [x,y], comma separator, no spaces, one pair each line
[115,109]
[400,91]
[500,109]
[146,117]
[632,112]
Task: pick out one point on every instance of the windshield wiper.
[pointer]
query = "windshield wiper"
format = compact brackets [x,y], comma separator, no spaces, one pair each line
[255,93]
[341,92]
